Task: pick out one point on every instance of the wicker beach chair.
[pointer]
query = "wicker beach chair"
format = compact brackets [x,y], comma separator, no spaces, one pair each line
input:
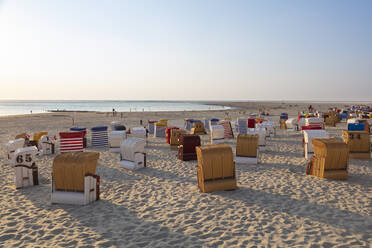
[216,168]
[246,149]
[198,128]
[74,179]
[330,160]
[175,138]
[186,149]
[37,136]
[358,143]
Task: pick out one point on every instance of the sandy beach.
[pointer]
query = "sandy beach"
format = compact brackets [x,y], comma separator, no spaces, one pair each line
[275,205]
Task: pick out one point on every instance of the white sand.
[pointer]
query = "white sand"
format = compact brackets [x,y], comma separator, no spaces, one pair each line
[160,206]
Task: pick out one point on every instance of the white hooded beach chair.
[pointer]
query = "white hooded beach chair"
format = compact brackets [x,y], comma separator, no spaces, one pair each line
[46,144]
[261,132]
[291,124]
[12,146]
[138,132]
[115,140]
[309,135]
[269,126]
[132,153]
[26,171]
[217,133]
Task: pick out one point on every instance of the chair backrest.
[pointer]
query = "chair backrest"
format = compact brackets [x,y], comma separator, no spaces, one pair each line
[246,145]
[25,155]
[71,141]
[13,145]
[217,132]
[99,136]
[130,146]
[242,125]
[46,141]
[216,161]
[69,170]
[22,136]
[334,152]
[251,123]
[357,141]
[176,135]
[189,142]
[198,125]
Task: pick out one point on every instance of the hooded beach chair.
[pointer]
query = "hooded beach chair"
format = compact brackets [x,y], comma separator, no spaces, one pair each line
[246,149]
[74,179]
[242,125]
[159,131]
[228,131]
[261,132]
[99,136]
[12,146]
[309,135]
[117,126]
[217,134]
[71,142]
[186,149]
[269,126]
[330,159]
[251,123]
[175,138]
[137,132]
[358,143]
[132,153]
[198,128]
[168,133]
[291,124]
[115,140]
[151,126]
[47,145]
[26,171]
[37,136]
[216,168]
[188,124]
[206,123]
[84,131]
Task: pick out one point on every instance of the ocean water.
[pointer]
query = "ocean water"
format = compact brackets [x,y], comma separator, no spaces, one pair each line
[25,107]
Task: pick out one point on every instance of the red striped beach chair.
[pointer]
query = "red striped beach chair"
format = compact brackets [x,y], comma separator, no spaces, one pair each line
[71,142]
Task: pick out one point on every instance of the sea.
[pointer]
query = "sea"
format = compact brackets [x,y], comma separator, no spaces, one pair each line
[13,107]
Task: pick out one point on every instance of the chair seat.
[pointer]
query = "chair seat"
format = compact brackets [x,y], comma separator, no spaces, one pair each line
[218,184]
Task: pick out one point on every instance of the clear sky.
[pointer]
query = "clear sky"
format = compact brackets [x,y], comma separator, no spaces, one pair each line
[186,50]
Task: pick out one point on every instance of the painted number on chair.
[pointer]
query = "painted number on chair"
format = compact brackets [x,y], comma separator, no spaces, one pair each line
[28,158]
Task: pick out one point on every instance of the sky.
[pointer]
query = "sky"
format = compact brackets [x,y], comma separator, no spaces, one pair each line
[186,50]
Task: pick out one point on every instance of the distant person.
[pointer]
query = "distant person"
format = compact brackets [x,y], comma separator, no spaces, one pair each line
[141,122]
[113,112]
[31,111]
